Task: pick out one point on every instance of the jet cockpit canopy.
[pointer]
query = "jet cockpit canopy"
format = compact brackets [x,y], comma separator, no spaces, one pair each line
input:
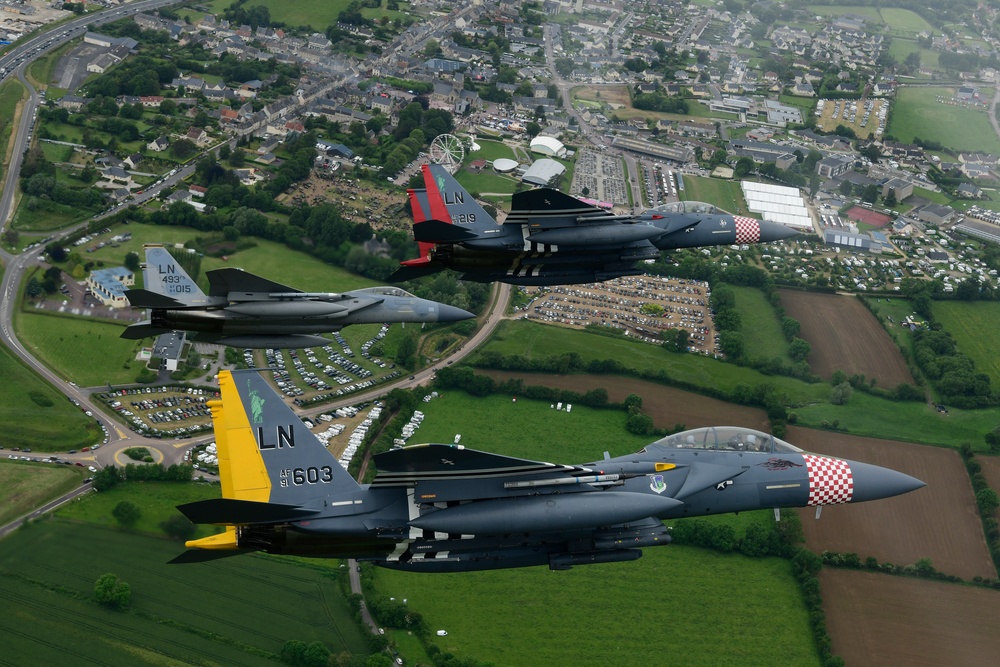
[689,207]
[727,438]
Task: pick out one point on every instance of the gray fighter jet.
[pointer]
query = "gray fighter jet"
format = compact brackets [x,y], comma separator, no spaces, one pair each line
[244,310]
[444,508]
[550,238]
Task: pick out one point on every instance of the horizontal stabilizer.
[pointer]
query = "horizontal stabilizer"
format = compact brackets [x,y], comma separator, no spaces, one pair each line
[435,231]
[233,511]
[223,282]
[547,200]
[204,555]
[143,298]
[144,329]
[412,272]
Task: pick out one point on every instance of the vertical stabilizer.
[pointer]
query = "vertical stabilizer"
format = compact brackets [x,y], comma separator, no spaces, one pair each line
[450,202]
[266,453]
[164,276]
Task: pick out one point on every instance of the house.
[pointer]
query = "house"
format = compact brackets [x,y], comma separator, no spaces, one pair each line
[969,191]
[158,144]
[197,135]
[108,285]
[834,165]
[197,190]
[898,187]
[936,214]
[133,160]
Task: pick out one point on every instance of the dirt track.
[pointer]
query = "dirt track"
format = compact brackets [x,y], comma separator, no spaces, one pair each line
[939,522]
[879,619]
[665,405]
[844,335]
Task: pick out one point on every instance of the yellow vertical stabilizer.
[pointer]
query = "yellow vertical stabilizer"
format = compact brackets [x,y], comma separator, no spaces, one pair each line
[241,466]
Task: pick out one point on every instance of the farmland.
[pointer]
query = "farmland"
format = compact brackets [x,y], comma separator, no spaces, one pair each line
[533,616]
[761,330]
[537,341]
[877,619]
[973,325]
[939,522]
[845,336]
[239,610]
[666,406]
[53,418]
[28,486]
[919,114]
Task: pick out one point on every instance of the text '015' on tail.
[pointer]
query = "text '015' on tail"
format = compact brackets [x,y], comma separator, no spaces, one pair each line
[551,238]
[245,310]
[445,508]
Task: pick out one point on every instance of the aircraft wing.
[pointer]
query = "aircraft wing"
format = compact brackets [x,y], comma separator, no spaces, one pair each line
[434,461]
[231,283]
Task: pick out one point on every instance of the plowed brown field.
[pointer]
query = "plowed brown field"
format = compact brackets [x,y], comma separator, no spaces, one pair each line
[844,335]
[665,405]
[879,619]
[939,521]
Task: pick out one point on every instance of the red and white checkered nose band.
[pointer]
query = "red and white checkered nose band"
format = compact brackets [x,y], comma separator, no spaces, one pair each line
[747,229]
[830,480]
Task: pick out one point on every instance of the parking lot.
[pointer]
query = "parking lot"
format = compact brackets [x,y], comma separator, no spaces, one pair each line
[602,175]
[632,304]
[162,410]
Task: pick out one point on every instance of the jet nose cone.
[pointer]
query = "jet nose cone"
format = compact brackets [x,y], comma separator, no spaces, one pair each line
[873,482]
[773,231]
[452,314]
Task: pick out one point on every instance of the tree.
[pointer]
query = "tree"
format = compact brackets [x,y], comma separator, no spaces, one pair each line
[870,194]
[112,592]
[890,199]
[132,261]
[799,349]
[126,513]
[993,439]
[987,500]
[633,401]
[177,527]
[34,288]
[845,188]
[743,167]
[841,394]
[183,149]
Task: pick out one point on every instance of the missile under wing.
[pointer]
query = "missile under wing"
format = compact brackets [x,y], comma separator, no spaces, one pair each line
[445,508]
[245,310]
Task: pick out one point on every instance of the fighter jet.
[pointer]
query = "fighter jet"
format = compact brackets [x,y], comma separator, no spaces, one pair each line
[550,238]
[445,508]
[244,310]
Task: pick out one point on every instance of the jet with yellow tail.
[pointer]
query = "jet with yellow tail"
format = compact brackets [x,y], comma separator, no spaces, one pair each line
[445,508]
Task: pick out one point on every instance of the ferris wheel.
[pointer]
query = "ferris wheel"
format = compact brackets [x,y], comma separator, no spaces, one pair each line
[447,150]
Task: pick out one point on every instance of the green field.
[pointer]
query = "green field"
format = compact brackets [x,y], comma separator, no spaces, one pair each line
[725,194]
[901,47]
[904,21]
[487,181]
[11,92]
[45,216]
[67,344]
[759,325]
[871,13]
[677,605]
[903,420]
[316,13]
[22,394]
[24,486]
[973,325]
[156,500]
[234,611]
[492,150]
[537,341]
[919,114]
[498,424]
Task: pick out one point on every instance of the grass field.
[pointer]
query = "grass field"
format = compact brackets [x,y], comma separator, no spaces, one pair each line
[533,616]
[60,423]
[527,429]
[759,325]
[973,325]
[68,345]
[871,13]
[26,486]
[156,500]
[904,21]
[46,217]
[487,181]
[902,47]
[492,150]
[903,420]
[235,611]
[725,194]
[539,341]
[919,114]
[11,93]
[316,13]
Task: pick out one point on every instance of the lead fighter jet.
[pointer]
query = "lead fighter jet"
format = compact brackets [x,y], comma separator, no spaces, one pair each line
[550,238]
[444,508]
[244,310]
